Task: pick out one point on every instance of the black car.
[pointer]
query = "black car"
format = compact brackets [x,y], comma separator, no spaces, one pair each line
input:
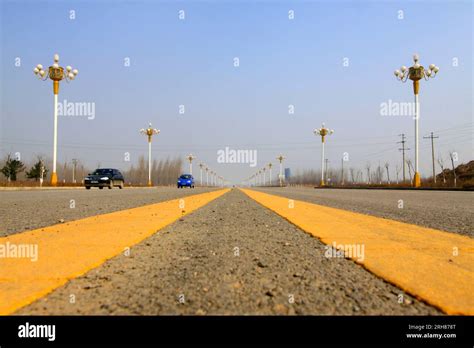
[104,177]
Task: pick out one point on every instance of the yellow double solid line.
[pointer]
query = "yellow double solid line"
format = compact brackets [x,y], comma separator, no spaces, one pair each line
[69,250]
[435,266]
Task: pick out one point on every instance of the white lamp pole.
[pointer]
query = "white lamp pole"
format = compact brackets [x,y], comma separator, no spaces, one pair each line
[200,167]
[416,73]
[264,176]
[190,159]
[280,159]
[322,132]
[149,132]
[270,168]
[55,73]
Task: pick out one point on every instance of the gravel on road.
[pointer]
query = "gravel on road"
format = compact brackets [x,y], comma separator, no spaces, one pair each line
[230,257]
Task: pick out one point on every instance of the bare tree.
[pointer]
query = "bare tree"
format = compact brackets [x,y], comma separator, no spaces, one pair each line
[397,170]
[352,172]
[409,170]
[452,156]
[388,174]
[441,164]
[367,167]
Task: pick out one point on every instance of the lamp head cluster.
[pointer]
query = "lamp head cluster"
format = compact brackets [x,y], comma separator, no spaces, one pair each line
[55,72]
[323,131]
[280,158]
[416,72]
[190,157]
[149,131]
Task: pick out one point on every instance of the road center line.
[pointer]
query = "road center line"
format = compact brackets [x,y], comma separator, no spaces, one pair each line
[419,260]
[69,250]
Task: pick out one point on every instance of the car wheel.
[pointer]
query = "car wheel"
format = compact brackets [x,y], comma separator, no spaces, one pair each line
[88,187]
[101,187]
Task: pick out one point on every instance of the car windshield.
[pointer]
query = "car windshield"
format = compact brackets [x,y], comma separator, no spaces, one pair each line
[102,172]
[185,176]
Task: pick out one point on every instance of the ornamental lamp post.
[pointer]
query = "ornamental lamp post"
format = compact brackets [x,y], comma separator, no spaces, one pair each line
[323,132]
[200,167]
[416,73]
[270,169]
[55,73]
[280,159]
[190,159]
[149,132]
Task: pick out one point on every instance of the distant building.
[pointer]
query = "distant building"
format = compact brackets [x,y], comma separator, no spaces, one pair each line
[287,173]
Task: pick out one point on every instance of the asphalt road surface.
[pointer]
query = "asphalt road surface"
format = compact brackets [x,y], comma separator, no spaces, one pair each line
[31,209]
[449,211]
[233,256]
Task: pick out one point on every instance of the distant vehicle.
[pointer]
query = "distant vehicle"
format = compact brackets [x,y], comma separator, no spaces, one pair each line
[186,180]
[104,177]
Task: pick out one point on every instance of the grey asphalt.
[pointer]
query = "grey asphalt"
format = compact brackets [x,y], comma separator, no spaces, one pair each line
[232,256]
[30,209]
[450,211]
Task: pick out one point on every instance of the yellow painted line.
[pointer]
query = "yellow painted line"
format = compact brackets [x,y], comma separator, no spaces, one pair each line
[69,250]
[418,260]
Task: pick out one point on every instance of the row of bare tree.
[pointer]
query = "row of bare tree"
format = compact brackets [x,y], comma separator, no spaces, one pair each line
[164,172]
[372,175]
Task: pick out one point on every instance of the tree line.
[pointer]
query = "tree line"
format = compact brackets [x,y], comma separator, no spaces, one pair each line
[163,172]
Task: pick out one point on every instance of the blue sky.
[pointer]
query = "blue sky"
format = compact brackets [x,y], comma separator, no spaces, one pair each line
[190,62]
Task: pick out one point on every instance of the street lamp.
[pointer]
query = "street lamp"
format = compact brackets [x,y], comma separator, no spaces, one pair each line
[323,131]
[200,167]
[264,176]
[207,176]
[416,73]
[149,132]
[55,73]
[270,169]
[190,159]
[280,159]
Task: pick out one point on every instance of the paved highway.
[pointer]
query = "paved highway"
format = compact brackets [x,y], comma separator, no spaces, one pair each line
[237,252]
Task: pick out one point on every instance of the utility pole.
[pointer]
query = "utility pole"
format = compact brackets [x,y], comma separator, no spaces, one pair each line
[432,153]
[74,164]
[403,149]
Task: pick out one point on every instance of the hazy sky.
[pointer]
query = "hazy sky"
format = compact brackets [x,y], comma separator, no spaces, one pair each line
[190,62]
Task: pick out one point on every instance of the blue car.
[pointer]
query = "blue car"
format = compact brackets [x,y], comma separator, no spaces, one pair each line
[186,180]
